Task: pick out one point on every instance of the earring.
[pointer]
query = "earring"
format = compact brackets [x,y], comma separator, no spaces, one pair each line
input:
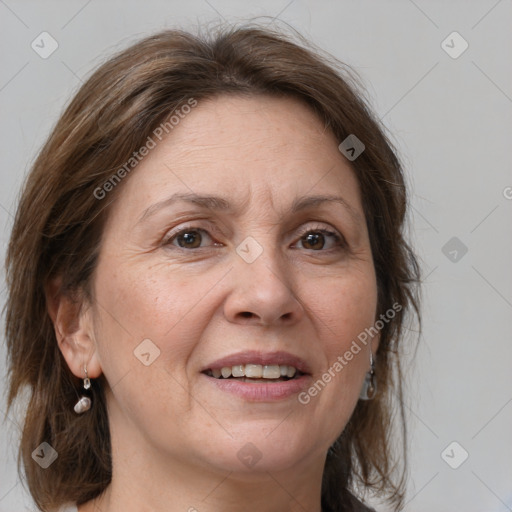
[369,389]
[84,403]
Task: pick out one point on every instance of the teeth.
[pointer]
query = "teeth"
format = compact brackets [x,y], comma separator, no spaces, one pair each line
[291,371]
[271,372]
[238,370]
[255,371]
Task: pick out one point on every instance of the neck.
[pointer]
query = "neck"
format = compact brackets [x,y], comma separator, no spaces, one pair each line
[144,488]
[145,479]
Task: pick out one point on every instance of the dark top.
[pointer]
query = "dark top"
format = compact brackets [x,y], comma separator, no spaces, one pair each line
[358,506]
[353,505]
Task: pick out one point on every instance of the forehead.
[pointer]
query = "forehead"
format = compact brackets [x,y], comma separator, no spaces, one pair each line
[248,149]
[263,127]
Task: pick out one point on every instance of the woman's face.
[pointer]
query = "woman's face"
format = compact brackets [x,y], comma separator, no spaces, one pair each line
[240,237]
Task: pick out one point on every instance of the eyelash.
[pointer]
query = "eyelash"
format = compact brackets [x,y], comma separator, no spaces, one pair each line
[338,239]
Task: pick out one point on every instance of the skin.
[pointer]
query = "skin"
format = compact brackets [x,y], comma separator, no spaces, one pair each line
[175,436]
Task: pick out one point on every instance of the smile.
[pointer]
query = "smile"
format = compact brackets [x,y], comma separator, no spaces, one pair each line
[256,373]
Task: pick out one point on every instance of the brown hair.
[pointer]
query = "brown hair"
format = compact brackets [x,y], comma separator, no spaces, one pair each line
[59,221]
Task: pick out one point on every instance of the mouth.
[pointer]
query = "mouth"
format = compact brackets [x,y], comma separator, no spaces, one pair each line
[255,373]
[259,377]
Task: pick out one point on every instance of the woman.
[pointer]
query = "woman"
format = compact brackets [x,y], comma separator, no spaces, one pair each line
[207,286]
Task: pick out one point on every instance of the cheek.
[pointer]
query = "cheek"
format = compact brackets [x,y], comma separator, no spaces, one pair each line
[143,301]
[342,310]
[153,303]
[145,337]
[345,307]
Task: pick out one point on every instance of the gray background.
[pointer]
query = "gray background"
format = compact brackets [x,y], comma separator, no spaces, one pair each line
[451,119]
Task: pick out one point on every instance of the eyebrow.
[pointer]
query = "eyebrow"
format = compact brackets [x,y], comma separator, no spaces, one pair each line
[217,203]
[207,202]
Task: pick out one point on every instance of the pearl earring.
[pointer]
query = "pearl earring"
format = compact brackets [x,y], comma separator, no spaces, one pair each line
[84,403]
[369,389]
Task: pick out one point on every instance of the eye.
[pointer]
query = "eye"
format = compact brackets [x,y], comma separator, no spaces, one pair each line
[190,238]
[311,239]
[319,239]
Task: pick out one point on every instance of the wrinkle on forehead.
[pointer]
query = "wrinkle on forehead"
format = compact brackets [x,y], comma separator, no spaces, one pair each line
[260,153]
[308,126]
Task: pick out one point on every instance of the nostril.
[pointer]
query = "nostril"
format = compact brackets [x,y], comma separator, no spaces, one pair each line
[246,314]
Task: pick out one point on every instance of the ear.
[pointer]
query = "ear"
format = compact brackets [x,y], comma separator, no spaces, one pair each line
[72,321]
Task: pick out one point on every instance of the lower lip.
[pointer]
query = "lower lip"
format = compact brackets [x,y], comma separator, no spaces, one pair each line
[264,392]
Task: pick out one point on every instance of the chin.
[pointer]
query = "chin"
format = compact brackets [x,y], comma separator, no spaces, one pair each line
[253,462]
[259,450]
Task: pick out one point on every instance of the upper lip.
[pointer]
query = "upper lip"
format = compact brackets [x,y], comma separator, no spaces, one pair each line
[258,357]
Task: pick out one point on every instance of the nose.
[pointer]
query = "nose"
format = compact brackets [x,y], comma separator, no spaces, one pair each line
[262,294]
